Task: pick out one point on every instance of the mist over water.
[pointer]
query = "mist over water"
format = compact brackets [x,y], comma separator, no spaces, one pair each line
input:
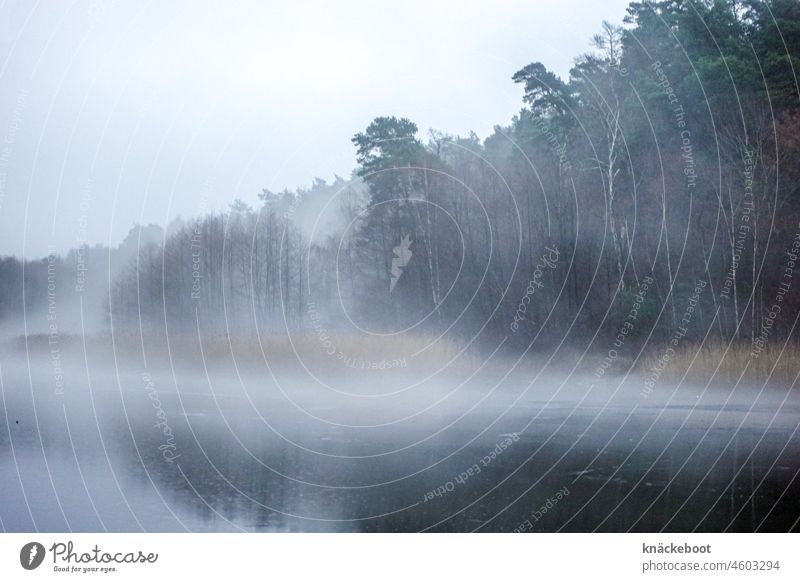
[245,448]
[580,319]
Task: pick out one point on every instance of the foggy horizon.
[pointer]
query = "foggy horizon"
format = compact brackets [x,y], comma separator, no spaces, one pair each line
[373,267]
[209,116]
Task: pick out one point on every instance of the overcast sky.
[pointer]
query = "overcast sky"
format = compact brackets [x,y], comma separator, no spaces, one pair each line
[113,113]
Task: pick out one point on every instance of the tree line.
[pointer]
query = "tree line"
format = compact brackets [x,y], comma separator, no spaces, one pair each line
[667,161]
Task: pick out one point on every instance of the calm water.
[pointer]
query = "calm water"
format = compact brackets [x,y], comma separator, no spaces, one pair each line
[161,451]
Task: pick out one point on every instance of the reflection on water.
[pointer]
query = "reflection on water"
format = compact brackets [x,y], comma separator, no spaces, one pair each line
[157,452]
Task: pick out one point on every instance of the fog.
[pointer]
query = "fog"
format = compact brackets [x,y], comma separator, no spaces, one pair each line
[515,268]
[137,108]
[261,448]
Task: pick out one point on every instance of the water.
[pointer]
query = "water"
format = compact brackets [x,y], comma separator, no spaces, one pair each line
[127,448]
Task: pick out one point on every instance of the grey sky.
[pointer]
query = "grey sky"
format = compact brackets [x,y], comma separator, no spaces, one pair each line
[113,113]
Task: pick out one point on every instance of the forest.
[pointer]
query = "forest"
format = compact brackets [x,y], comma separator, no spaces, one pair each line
[651,198]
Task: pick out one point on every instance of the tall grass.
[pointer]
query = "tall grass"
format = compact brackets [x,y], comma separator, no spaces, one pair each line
[721,364]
